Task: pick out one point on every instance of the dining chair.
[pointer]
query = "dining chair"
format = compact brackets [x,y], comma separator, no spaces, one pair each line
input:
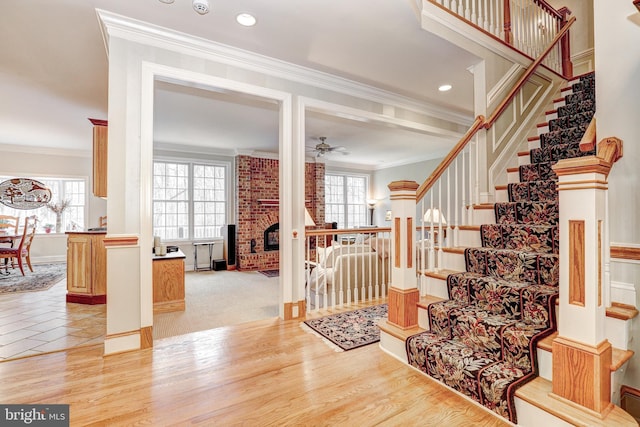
[102,221]
[8,225]
[23,250]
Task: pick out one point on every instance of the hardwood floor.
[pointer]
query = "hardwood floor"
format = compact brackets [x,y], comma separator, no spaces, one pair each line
[264,373]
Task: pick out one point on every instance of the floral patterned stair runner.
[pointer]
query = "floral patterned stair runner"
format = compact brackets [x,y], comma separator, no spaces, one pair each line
[482,340]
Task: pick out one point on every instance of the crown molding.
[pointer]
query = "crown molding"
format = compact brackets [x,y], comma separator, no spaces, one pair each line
[114,25]
[44,151]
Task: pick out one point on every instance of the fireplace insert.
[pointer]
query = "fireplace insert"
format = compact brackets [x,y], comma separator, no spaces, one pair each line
[272,238]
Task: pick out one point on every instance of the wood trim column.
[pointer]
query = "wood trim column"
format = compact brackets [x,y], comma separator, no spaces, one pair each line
[581,353]
[587,378]
[403,292]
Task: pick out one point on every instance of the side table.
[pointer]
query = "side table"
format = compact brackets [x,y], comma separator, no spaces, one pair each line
[195,255]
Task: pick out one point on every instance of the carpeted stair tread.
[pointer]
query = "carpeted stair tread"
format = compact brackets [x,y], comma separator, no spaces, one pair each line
[534,191]
[524,212]
[483,338]
[521,237]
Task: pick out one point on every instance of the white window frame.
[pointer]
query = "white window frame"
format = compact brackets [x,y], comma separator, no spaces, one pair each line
[345,204]
[190,162]
[48,217]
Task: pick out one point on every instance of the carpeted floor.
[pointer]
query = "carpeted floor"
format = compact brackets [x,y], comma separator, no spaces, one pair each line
[42,278]
[220,298]
[351,329]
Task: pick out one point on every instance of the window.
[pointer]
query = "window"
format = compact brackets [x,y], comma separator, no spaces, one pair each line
[72,218]
[189,200]
[345,200]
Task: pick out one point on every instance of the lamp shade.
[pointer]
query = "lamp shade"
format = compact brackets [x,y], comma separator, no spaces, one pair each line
[434,216]
[308,221]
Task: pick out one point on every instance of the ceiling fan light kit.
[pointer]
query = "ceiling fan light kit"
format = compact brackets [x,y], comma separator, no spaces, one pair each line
[323,148]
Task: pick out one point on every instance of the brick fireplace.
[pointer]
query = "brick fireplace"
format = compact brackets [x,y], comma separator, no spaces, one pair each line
[257,209]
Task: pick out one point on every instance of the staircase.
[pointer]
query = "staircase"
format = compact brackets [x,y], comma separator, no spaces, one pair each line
[482,340]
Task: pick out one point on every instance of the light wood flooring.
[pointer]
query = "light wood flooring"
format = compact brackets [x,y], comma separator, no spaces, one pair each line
[263,373]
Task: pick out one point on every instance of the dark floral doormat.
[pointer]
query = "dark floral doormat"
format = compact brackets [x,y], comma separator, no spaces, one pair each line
[43,277]
[270,273]
[351,329]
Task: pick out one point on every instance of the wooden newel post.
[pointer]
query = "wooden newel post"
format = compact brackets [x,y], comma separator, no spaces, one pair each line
[403,291]
[565,45]
[507,21]
[581,349]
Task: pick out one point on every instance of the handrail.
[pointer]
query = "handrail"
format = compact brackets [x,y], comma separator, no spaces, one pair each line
[505,102]
[546,6]
[588,141]
[446,162]
[325,231]
[480,121]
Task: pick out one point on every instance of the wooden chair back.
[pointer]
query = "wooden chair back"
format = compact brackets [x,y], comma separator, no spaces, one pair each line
[102,221]
[30,226]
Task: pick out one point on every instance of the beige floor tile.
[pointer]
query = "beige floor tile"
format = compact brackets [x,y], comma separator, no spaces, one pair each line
[18,347]
[61,343]
[14,336]
[54,334]
[48,325]
[15,326]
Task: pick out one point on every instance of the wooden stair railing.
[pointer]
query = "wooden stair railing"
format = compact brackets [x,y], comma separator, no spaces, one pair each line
[525,26]
[481,123]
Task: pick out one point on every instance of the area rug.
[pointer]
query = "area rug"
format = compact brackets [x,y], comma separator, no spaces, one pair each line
[351,329]
[270,273]
[43,277]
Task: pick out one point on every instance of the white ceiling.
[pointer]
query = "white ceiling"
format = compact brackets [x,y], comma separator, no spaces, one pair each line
[53,73]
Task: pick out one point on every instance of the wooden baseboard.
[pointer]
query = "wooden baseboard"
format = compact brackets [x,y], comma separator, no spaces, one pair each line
[168,306]
[87,299]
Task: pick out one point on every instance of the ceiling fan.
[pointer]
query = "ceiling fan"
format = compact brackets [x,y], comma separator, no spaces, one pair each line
[323,148]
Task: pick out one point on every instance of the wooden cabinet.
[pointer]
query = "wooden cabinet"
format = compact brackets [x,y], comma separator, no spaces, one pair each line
[86,268]
[99,157]
[168,282]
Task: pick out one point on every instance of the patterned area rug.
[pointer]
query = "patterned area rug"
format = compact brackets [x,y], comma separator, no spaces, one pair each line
[43,277]
[270,273]
[351,329]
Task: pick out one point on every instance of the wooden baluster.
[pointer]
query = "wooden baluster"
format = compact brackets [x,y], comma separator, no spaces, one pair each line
[461,7]
[467,11]
[448,229]
[485,22]
[440,236]
[432,246]
[465,200]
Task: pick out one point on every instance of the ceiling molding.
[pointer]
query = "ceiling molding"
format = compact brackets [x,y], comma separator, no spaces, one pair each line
[114,25]
[48,151]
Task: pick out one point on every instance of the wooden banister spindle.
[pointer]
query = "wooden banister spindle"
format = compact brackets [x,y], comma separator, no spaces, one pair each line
[508,37]
[565,46]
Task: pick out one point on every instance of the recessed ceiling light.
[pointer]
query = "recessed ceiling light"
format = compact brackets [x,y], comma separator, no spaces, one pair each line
[167,1]
[246,19]
[445,88]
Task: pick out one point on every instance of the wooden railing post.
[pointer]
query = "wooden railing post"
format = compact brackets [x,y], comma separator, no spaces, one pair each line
[581,349]
[565,45]
[507,22]
[403,292]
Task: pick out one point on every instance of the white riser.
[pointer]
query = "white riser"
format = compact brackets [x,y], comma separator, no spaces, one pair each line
[483,216]
[436,287]
[534,144]
[524,160]
[543,129]
[453,261]
[501,196]
[551,116]
[559,104]
[469,238]
[393,346]
[513,177]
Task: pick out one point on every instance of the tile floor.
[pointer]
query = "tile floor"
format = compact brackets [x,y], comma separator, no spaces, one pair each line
[39,322]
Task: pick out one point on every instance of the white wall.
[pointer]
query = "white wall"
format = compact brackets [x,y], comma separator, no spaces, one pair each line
[417,172]
[617,67]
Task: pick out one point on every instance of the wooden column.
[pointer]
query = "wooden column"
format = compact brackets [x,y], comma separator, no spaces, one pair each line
[507,21]
[582,353]
[403,292]
[565,46]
